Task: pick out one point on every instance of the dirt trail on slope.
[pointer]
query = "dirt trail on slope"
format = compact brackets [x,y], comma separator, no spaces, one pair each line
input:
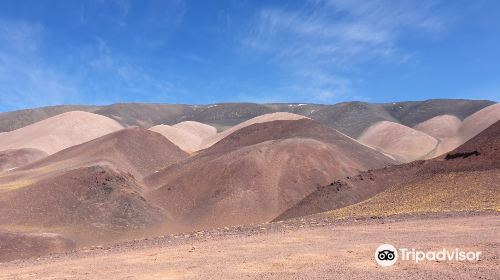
[296,249]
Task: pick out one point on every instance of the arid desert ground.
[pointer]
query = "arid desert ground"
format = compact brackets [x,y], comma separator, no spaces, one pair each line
[300,249]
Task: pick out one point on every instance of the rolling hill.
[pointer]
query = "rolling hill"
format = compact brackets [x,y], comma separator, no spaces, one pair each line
[403,143]
[87,204]
[351,118]
[11,159]
[465,179]
[209,141]
[187,135]
[96,175]
[135,151]
[59,132]
[89,192]
[255,173]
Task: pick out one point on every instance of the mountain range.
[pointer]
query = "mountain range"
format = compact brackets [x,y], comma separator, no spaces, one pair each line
[73,176]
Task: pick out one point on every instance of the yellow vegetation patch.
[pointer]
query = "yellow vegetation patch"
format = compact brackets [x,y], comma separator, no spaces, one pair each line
[457,191]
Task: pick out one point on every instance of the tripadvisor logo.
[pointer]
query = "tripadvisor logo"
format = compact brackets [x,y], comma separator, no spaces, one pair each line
[387,255]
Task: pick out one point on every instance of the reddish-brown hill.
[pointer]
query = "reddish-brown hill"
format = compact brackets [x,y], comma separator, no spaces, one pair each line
[477,163]
[134,150]
[211,140]
[351,189]
[85,204]
[258,172]
[90,192]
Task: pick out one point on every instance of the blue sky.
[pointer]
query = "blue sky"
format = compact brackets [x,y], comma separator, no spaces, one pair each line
[197,52]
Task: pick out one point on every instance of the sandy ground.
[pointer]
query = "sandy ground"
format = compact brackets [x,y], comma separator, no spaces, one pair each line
[319,248]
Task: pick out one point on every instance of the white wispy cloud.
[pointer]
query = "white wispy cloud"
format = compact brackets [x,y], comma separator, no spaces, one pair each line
[125,74]
[332,37]
[32,74]
[25,78]
[37,70]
